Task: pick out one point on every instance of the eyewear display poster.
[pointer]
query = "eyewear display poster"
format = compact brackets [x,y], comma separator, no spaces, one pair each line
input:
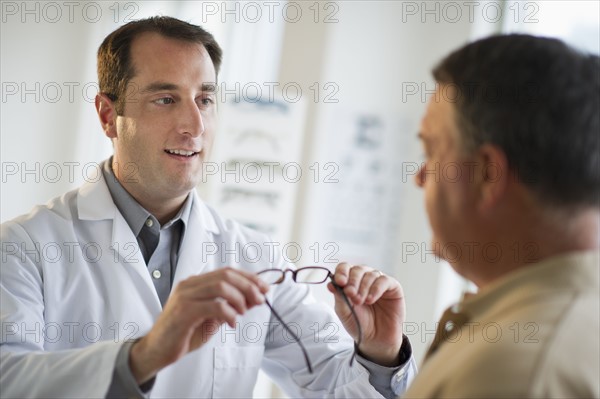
[255,171]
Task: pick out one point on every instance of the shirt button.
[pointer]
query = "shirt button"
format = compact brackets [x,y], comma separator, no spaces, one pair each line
[156,274]
[149,222]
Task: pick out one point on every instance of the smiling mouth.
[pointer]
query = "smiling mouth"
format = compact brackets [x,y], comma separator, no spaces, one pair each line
[182,153]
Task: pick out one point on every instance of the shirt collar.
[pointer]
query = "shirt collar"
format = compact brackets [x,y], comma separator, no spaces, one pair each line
[577,271]
[183,214]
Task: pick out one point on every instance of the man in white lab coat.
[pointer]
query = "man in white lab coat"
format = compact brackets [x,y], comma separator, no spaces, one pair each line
[115,289]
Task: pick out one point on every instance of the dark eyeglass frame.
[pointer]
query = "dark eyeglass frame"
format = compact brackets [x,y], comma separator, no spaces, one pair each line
[339,289]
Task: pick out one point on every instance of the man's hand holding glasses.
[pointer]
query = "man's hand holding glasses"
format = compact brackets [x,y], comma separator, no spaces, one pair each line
[369,304]
[378,302]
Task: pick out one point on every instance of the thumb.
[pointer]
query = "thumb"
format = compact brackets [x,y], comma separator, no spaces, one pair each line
[341,308]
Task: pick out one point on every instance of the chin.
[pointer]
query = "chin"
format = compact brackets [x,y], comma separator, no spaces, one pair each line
[436,247]
[183,189]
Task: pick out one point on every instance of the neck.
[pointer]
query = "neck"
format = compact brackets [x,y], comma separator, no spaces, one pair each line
[541,235]
[162,207]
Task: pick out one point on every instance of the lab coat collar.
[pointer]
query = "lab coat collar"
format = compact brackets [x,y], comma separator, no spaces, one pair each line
[94,202]
[201,229]
[201,216]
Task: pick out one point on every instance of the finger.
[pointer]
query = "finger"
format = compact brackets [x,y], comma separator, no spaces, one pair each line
[218,311]
[224,291]
[252,287]
[262,285]
[209,290]
[331,288]
[228,273]
[245,281]
[222,310]
[341,307]
[382,285]
[354,279]
[334,290]
[342,270]
[221,283]
[365,285]
[180,315]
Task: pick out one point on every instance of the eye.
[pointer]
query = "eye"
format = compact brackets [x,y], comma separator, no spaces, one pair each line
[206,101]
[164,101]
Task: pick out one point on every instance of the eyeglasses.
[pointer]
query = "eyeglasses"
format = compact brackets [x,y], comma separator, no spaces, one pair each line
[307,275]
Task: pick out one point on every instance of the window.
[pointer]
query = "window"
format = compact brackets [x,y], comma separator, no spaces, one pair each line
[575,22]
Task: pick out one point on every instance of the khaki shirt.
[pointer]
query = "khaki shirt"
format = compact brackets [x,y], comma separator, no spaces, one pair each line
[534,333]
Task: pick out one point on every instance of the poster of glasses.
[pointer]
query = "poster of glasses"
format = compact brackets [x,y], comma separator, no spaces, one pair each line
[254,171]
[360,211]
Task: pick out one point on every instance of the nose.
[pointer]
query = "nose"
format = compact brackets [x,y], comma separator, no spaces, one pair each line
[192,120]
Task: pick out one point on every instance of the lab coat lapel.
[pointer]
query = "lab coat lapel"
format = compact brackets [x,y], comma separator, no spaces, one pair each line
[94,202]
[201,229]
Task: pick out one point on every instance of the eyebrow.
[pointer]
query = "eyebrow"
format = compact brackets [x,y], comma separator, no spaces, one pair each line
[165,86]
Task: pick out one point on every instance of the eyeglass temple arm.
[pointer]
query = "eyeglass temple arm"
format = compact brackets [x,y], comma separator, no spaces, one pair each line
[340,290]
[293,335]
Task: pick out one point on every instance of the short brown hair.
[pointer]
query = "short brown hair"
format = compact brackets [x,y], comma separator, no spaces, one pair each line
[114,55]
[542,111]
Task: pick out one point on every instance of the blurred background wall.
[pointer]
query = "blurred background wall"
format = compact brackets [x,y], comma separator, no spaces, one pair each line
[333,90]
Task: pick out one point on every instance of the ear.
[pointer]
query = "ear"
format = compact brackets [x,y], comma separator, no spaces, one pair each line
[495,176]
[107,113]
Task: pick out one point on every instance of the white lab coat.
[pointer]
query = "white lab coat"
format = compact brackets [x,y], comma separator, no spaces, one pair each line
[74,286]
